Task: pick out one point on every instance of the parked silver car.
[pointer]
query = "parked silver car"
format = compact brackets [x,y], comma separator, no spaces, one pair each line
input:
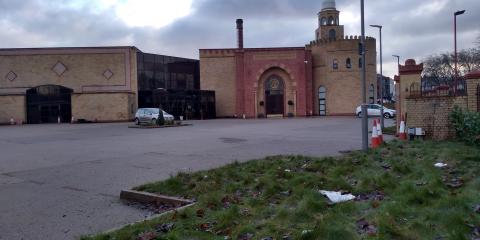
[374,110]
[150,115]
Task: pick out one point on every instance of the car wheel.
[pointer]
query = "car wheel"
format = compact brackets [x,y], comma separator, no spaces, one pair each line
[137,122]
[387,115]
[359,114]
[154,121]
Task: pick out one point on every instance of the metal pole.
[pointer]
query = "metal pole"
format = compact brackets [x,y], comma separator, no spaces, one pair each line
[382,122]
[455,40]
[382,83]
[364,85]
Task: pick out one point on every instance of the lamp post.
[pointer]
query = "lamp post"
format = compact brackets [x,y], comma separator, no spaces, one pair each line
[364,85]
[382,123]
[455,40]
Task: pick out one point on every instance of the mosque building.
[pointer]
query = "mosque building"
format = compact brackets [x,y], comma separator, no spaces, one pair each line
[321,78]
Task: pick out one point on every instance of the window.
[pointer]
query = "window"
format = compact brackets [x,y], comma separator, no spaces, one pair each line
[348,63]
[332,34]
[323,22]
[322,96]
[331,21]
[360,63]
[335,64]
[371,91]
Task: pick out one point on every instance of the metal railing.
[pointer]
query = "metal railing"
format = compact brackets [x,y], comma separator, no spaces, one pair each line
[438,87]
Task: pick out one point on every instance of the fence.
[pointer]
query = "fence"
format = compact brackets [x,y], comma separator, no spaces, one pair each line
[438,87]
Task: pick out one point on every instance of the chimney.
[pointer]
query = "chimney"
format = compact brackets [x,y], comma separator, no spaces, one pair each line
[240,33]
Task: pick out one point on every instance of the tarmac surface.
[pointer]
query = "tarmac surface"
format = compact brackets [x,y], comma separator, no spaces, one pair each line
[63,181]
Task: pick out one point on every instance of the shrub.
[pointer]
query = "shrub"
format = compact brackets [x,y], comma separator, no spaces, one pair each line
[466,125]
[161,119]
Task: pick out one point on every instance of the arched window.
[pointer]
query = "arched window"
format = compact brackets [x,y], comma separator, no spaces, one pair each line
[348,63]
[331,21]
[332,34]
[336,21]
[322,101]
[371,91]
[335,64]
[360,63]
[323,22]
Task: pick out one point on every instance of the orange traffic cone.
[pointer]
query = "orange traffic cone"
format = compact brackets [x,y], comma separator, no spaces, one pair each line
[379,132]
[402,134]
[375,140]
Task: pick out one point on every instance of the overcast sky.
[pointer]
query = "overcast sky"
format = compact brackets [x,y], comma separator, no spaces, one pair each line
[412,28]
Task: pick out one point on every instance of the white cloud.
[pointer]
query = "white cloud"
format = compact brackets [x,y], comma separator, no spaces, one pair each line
[149,13]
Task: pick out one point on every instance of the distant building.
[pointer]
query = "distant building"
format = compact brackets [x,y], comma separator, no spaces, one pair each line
[320,78]
[388,87]
[45,85]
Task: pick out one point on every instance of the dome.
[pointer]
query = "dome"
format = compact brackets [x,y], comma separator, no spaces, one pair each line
[328,4]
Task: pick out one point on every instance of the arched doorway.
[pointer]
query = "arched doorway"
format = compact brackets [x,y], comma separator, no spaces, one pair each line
[274,95]
[47,103]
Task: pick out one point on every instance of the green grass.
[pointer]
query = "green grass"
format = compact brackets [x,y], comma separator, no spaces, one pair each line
[263,199]
[390,130]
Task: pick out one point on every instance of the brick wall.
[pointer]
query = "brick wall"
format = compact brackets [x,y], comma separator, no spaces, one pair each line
[432,114]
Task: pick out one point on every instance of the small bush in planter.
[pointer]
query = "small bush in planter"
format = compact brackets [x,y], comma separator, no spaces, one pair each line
[290,102]
[261,115]
[290,115]
[262,103]
[161,119]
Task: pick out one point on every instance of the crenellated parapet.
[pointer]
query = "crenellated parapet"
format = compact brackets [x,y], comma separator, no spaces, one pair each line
[227,52]
[352,38]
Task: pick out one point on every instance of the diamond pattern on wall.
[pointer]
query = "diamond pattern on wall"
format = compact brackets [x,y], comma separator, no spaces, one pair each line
[59,68]
[11,76]
[108,74]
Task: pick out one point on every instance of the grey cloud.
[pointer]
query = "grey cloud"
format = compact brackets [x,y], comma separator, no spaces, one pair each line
[268,23]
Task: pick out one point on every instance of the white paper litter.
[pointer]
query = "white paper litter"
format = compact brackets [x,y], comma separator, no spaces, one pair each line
[440,165]
[337,197]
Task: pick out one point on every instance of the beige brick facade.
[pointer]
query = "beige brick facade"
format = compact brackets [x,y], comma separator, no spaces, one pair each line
[343,85]
[12,106]
[217,71]
[432,114]
[92,74]
[103,107]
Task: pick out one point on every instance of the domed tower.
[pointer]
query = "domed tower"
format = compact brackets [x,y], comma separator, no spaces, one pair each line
[328,22]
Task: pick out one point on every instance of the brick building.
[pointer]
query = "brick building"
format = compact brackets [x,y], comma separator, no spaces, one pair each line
[428,107]
[44,85]
[320,78]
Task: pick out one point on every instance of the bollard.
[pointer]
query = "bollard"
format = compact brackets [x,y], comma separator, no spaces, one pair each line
[12,121]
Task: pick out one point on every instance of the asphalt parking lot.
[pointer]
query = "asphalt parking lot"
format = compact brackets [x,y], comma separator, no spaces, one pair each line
[62,181]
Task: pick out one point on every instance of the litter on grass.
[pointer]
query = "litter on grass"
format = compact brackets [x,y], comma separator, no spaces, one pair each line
[440,165]
[337,197]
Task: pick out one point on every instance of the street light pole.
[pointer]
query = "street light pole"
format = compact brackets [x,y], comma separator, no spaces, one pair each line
[364,85]
[382,122]
[455,40]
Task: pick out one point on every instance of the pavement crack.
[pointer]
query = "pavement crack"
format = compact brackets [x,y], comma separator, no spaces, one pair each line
[74,189]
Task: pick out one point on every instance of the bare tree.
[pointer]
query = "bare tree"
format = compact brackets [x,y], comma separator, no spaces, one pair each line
[443,65]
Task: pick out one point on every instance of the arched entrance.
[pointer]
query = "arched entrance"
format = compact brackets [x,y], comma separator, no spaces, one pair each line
[47,103]
[274,95]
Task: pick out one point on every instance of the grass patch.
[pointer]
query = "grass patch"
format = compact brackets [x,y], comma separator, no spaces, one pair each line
[390,130]
[403,197]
